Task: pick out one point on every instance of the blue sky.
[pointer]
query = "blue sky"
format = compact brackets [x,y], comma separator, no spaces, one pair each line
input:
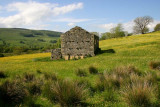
[61,15]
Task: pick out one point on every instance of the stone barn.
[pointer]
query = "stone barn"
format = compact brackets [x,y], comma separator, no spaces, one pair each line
[78,43]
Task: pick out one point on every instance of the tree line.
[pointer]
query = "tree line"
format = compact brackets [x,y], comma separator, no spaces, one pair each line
[7,50]
[140,27]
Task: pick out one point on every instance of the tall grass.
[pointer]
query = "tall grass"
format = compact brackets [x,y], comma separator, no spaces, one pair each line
[28,77]
[154,65]
[125,71]
[93,70]
[13,92]
[136,50]
[47,92]
[2,74]
[115,79]
[141,94]
[35,87]
[108,81]
[51,76]
[81,73]
[69,93]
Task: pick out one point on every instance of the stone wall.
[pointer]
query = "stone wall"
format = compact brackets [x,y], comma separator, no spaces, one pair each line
[56,54]
[96,44]
[78,43]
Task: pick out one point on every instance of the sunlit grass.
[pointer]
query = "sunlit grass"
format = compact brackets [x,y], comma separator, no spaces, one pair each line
[136,50]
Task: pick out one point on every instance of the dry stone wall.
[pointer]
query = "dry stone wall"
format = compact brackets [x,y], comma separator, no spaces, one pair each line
[76,43]
[56,54]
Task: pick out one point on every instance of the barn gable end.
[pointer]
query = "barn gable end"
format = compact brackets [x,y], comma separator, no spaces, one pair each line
[78,43]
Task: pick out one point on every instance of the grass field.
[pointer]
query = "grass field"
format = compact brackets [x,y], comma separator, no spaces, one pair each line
[138,51]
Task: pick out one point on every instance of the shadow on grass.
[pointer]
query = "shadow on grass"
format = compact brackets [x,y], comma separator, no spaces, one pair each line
[106,51]
[2,75]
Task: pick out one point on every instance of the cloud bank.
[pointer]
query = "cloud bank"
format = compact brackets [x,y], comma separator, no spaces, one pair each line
[34,13]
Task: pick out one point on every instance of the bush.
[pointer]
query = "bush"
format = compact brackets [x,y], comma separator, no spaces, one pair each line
[81,72]
[154,65]
[20,50]
[93,70]
[13,92]
[2,74]
[41,40]
[108,81]
[27,34]
[35,87]
[21,42]
[47,92]
[38,71]
[110,95]
[116,78]
[51,76]
[140,94]
[157,27]
[37,33]
[53,41]
[105,36]
[87,85]
[53,34]
[69,93]
[150,77]
[29,101]
[125,71]
[29,77]
[1,55]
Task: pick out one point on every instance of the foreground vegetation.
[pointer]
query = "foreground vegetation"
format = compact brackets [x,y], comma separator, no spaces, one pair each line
[126,73]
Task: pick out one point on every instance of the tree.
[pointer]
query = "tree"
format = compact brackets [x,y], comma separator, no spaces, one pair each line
[58,43]
[141,24]
[103,37]
[106,35]
[117,31]
[114,33]
[95,33]
[137,30]
[157,27]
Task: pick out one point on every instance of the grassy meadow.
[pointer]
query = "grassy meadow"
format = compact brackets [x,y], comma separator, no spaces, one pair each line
[118,54]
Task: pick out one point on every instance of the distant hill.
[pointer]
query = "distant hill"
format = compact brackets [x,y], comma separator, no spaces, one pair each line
[27,37]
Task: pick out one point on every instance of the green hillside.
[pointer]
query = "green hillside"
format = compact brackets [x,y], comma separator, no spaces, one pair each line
[26,37]
[128,76]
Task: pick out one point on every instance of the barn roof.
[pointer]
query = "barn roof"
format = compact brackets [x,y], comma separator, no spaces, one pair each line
[77,29]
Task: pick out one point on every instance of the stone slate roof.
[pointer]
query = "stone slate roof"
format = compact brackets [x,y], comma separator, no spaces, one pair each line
[77,29]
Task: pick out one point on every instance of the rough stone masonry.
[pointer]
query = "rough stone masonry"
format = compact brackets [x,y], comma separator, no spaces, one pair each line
[76,43]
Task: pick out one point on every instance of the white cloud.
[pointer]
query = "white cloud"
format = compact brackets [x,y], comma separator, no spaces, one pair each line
[66,9]
[128,26]
[107,27]
[152,25]
[71,24]
[32,13]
